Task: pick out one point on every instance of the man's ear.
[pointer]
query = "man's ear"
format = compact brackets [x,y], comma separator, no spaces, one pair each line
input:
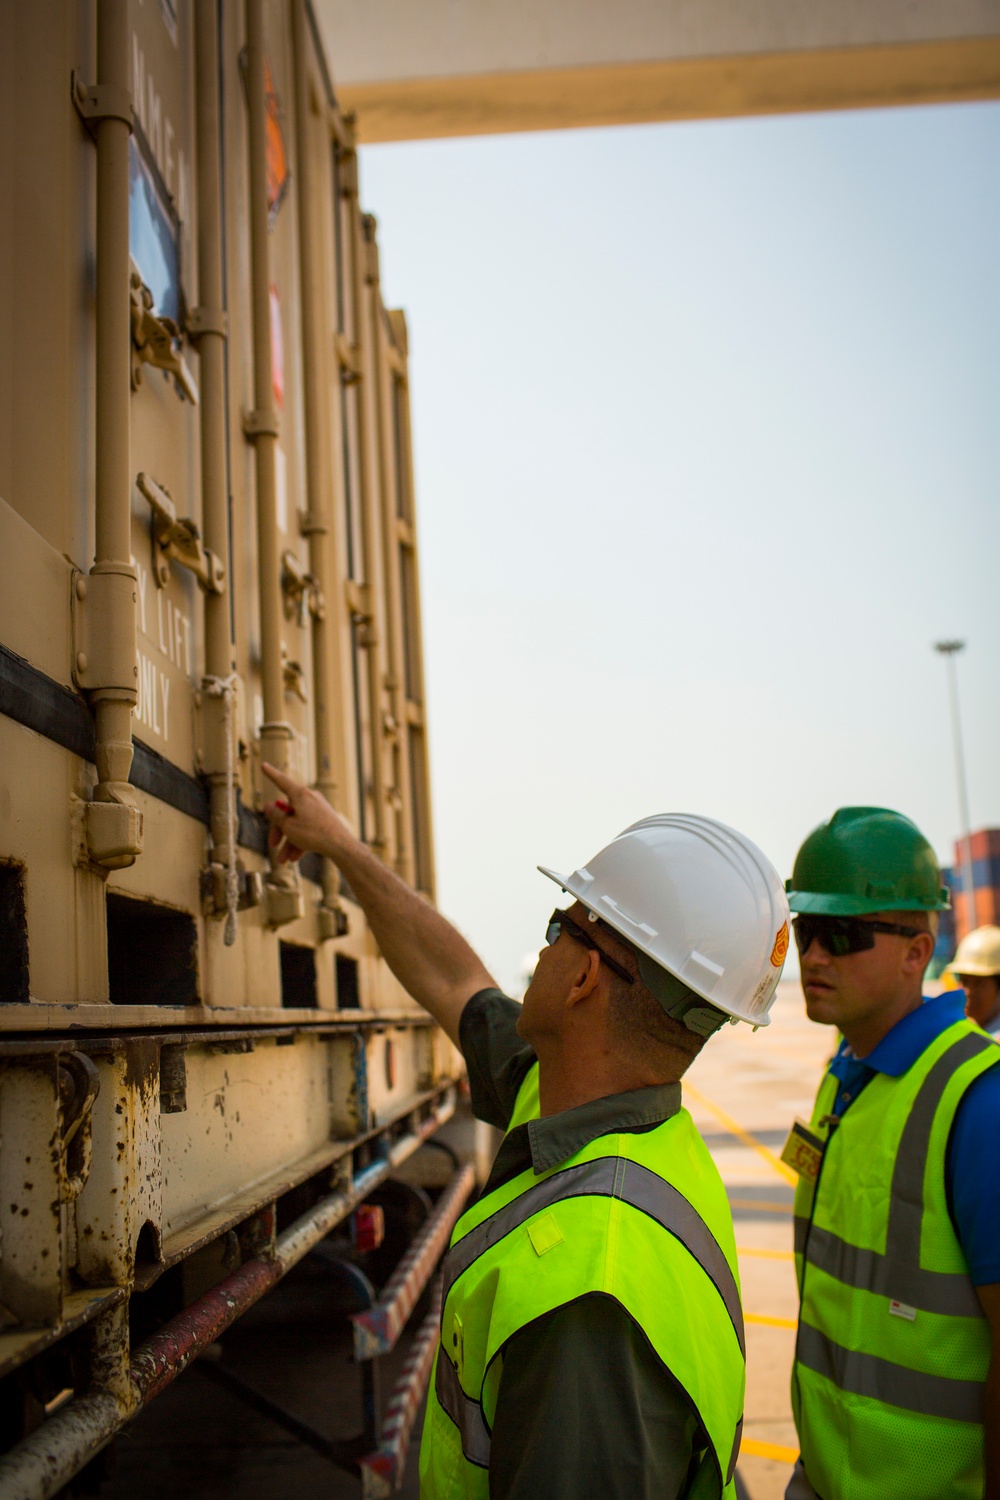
[588,976]
[919,952]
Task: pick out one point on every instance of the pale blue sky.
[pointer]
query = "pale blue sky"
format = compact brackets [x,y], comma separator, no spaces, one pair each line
[707,452]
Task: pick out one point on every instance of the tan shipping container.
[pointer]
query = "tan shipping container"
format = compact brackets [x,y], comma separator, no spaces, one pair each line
[207,558]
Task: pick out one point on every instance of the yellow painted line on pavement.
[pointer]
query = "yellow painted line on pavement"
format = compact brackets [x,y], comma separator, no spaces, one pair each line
[755,1449]
[769,1322]
[765,1254]
[736,1129]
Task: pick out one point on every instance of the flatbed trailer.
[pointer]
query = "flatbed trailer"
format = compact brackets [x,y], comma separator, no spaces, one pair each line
[207,559]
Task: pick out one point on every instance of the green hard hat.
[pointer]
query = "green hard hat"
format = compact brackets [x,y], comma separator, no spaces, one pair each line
[866,859]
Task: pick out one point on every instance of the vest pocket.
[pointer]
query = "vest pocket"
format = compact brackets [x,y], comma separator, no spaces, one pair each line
[544,1233]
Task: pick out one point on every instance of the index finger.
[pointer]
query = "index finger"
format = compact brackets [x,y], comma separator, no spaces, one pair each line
[286,783]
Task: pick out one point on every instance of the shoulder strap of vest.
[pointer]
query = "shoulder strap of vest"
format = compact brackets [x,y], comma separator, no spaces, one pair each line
[906,1207]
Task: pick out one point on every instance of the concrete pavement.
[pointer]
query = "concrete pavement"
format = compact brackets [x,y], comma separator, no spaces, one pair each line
[743,1092]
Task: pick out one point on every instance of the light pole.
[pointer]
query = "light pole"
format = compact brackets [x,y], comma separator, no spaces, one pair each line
[949,650]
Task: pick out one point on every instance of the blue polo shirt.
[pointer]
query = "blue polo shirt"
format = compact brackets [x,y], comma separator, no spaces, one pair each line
[972,1167]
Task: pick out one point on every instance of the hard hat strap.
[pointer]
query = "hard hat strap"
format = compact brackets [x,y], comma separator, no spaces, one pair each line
[679,1001]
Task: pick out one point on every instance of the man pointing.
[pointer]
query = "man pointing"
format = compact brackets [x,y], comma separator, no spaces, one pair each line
[591,1331]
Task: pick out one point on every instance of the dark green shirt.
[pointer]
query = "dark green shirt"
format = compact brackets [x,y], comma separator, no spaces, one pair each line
[585,1406]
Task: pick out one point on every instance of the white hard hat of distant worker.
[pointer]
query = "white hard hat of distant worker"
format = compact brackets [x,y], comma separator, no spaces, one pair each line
[978,953]
[702,908]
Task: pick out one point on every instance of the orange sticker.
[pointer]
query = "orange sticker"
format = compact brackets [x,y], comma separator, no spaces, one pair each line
[780,950]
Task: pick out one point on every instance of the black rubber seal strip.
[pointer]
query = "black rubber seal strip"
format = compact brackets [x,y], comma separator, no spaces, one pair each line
[33,699]
[151,772]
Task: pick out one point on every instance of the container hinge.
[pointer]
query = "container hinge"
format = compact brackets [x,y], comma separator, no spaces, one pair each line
[368,229]
[260,424]
[282,896]
[202,320]
[156,342]
[101,101]
[348,358]
[178,541]
[358,600]
[342,129]
[331,921]
[362,614]
[295,679]
[303,595]
[347,158]
[103,617]
[215,894]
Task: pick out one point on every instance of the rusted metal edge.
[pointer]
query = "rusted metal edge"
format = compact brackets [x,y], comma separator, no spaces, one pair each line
[357,1020]
[185,1243]
[382,1470]
[42,1463]
[377,1329]
[34,1341]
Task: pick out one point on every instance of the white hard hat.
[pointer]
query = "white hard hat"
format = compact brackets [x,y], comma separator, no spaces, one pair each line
[978,953]
[703,903]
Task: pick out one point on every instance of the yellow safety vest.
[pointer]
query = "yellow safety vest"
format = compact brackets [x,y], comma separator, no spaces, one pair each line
[641,1217]
[893,1348]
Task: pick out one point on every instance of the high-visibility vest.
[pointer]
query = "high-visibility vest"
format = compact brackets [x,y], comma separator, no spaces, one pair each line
[641,1217]
[893,1347]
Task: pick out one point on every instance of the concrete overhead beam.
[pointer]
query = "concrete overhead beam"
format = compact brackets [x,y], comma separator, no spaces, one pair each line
[418,69]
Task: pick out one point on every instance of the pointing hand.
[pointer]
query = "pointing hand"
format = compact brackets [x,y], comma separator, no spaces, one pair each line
[302,820]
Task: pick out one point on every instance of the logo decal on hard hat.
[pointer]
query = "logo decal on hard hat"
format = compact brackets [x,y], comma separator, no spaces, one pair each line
[780,950]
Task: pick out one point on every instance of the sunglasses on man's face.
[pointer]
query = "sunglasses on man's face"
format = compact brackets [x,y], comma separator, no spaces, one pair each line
[561,920]
[843,935]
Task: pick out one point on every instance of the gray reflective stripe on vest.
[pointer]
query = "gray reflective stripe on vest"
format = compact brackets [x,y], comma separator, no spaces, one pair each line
[906,1207]
[800,1233]
[928,1291]
[737,1440]
[880,1379]
[898,1274]
[608,1177]
[466,1413]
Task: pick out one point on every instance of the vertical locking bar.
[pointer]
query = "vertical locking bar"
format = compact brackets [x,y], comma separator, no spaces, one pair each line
[219,684]
[284,896]
[114,825]
[409,566]
[362,246]
[385,380]
[328,683]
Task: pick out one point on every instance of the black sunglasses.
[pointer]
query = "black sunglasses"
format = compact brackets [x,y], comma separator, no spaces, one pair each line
[842,935]
[561,919]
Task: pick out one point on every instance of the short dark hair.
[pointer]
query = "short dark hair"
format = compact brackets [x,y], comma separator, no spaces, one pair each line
[639,1023]
[640,1026]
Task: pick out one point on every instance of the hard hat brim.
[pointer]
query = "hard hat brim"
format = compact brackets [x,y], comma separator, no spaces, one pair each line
[835,904]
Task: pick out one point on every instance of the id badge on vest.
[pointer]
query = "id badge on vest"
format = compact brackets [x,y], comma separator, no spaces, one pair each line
[803,1150]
